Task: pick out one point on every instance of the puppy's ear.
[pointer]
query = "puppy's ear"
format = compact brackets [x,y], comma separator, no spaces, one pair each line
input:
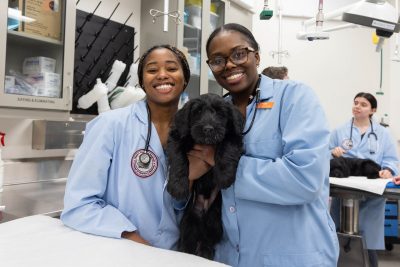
[236,120]
[182,120]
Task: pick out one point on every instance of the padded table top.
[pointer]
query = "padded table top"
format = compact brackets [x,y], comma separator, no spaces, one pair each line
[44,241]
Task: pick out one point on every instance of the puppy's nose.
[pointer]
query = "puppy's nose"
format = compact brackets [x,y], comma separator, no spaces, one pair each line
[208,129]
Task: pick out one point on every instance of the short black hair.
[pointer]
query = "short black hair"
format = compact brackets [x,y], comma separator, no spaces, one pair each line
[234,27]
[371,99]
[276,72]
[179,55]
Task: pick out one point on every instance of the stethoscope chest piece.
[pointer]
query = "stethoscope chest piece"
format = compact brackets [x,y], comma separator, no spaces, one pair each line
[144,163]
[347,144]
[144,160]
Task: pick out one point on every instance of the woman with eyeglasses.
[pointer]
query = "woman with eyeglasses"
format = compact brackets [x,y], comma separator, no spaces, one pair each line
[362,137]
[276,213]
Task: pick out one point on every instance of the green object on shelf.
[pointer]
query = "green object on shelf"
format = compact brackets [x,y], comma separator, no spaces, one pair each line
[266,14]
[379,93]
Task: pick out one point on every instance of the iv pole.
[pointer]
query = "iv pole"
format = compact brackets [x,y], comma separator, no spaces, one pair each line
[280,51]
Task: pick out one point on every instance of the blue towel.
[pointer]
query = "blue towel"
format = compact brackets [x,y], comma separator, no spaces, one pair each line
[392,185]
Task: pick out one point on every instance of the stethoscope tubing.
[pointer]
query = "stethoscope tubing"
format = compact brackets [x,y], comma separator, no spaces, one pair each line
[368,136]
[257,99]
[148,137]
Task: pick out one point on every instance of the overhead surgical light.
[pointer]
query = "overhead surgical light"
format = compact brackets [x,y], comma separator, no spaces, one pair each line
[396,56]
[318,34]
[376,14]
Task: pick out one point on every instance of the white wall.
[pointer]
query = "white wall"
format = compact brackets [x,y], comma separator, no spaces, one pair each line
[121,14]
[337,68]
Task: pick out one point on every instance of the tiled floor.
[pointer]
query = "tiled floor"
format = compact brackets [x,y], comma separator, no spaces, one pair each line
[390,258]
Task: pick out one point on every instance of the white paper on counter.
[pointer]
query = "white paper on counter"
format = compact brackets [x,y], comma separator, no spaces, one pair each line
[376,186]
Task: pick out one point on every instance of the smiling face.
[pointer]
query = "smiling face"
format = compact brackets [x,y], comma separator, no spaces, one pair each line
[234,78]
[362,108]
[163,78]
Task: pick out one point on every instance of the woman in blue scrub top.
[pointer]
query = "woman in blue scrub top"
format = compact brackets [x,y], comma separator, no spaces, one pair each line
[116,186]
[362,137]
[276,213]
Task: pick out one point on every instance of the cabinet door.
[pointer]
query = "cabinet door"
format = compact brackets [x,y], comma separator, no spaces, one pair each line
[217,19]
[192,42]
[201,17]
[37,52]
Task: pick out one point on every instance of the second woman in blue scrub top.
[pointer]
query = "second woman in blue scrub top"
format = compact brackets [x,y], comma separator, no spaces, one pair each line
[110,192]
[276,213]
[362,137]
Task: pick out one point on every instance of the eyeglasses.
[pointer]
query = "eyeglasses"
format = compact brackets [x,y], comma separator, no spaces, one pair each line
[238,56]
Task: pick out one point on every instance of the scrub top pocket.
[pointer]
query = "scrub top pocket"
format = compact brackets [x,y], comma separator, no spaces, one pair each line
[266,148]
[314,259]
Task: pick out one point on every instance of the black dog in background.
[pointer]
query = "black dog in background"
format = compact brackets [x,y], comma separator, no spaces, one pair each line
[209,120]
[344,167]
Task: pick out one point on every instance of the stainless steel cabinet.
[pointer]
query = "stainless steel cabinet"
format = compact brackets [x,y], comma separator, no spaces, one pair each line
[36,54]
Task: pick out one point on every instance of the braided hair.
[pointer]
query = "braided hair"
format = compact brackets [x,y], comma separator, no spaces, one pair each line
[179,55]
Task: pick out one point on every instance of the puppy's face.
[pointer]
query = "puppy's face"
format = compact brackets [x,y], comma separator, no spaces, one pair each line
[208,120]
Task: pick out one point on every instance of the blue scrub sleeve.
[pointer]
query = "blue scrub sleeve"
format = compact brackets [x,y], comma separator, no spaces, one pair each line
[334,140]
[390,158]
[299,175]
[84,207]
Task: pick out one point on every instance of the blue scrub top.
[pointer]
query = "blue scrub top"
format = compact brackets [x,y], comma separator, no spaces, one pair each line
[103,194]
[384,147]
[372,209]
[276,213]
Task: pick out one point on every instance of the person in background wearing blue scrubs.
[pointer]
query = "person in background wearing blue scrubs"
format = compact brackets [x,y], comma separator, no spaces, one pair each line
[116,186]
[276,213]
[362,137]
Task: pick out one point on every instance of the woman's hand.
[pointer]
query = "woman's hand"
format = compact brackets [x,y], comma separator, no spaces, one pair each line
[201,159]
[135,236]
[338,152]
[396,180]
[385,174]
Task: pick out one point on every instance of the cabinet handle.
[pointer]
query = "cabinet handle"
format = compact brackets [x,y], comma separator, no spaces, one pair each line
[69,95]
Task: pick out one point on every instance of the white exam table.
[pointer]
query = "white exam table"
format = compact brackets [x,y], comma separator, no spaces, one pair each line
[44,241]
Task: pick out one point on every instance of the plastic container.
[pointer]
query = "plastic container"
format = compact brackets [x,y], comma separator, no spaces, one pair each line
[213,21]
[47,84]
[35,65]
[194,13]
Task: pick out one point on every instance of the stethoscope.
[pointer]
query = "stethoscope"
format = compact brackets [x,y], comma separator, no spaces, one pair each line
[144,157]
[257,101]
[347,144]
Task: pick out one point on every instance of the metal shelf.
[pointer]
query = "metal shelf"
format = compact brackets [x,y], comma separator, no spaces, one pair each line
[29,39]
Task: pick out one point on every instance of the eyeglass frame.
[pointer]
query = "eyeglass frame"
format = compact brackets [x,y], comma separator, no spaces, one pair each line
[248,49]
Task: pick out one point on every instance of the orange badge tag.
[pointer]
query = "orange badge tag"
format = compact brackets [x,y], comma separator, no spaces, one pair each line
[265,105]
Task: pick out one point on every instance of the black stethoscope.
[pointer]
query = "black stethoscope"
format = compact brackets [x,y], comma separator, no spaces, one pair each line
[257,101]
[348,143]
[144,157]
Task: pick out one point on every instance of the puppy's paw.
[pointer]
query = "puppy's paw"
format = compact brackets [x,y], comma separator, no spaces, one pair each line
[179,189]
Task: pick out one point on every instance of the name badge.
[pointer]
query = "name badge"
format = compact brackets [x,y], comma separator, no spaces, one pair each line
[265,105]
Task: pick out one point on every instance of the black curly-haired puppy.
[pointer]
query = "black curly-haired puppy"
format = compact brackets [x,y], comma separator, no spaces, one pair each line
[209,120]
[344,167]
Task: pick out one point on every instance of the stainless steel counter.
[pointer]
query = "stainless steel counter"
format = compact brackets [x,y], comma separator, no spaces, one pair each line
[353,251]
[33,187]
